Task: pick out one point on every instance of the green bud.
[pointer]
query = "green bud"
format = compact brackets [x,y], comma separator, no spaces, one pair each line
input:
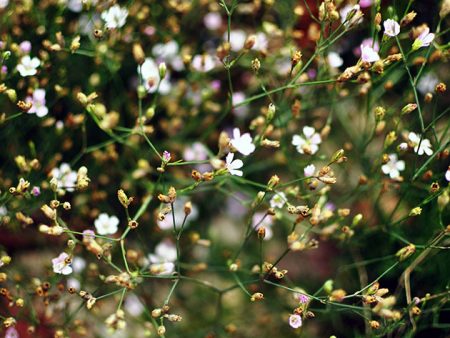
[141,92]
[162,70]
[328,286]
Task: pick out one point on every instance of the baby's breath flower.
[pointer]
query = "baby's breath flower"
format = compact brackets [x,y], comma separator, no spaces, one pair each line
[295,321]
[66,178]
[38,103]
[62,264]
[393,166]
[233,166]
[28,66]
[278,200]
[309,144]
[424,39]
[368,54]
[242,143]
[420,147]
[106,225]
[115,17]
[391,27]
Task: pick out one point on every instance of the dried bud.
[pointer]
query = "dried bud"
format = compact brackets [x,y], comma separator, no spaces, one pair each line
[257,296]
[408,18]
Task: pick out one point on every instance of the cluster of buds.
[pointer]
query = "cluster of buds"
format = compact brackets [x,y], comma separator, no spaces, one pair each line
[89,298]
[21,187]
[406,252]
[170,197]
[8,322]
[116,321]
[158,312]
[296,244]
[21,217]
[82,178]
[25,165]
[87,100]
[199,177]
[272,270]
[326,175]
[123,280]
[327,11]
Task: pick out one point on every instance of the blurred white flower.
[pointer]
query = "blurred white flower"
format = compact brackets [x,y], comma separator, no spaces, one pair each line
[309,170]
[278,200]
[420,147]
[178,210]
[237,39]
[295,321]
[351,15]
[78,264]
[115,16]
[447,174]
[233,166]
[38,103]
[391,27]
[309,144]
[427,83]
[203,63]
[25,46]
[65,176]
[261,219]
[28,66]
[169,53]
[3,3]
[393,166]
[11,331]
[334,60]
[261,42]
[368,54]
[133,305]
[212,20]
[73,283]
[195,152]
[242,143]
[151,78]
[61,264]
[106,225]
[241,111]
[162,260]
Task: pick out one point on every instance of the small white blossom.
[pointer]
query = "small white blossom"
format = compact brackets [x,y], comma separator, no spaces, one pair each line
[391,27]
[242,143]
[295,321]
[115,17]
[233,166]
[150,76]
[162,260]
[278,200]
[237,39]
[28,66]
[106,225]
[420,147]
[60,264]
[424,39]
[38,103]
[309,144]
[447,174]
[212,20]
[65,176]
[334,60]
[393,166]
[309,170]
[203,63]
[368,54]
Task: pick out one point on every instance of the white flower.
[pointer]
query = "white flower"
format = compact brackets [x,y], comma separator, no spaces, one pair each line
[212,20]
[237,39]
[106,225]
[28,66]
[424,39]
[232,166]
[178,210]
[133,305]
[308,144]
[163,257]
[3,3]
[309,170]
[334,60]
[203,63]
[351,15]
[427,83]
[261,42]
[242,143]
[447,174]
[295,321]
[368,54]
[65,176]
[393,167]
[38,103]
[115,16]
[78,264]
[196,152]
[391,27]
[61,265]
[151,78]
[168,52]
[420,147]
[278,200]
[3,211]
[261,219]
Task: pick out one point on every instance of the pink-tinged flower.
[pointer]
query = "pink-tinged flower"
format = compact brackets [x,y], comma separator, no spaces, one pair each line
[36,191]
[212,21]
[242,143]
[447,174]
[278,200]
[88,235]
[203,63]
[106,225]
[424,39]
[391,27]
[25,46]
[309,170]
[261,219]
[302,298]
[351,15]
[28,66]
[4,69]
[295,321]
[309,144]
[420,146]
[393,166]
[233,166]
[11,332]
[365,3]
[368,54]
[166,156]
[61,264]
[38,103]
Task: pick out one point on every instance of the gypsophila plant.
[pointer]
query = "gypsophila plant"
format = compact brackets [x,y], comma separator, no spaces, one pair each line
[224,168]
